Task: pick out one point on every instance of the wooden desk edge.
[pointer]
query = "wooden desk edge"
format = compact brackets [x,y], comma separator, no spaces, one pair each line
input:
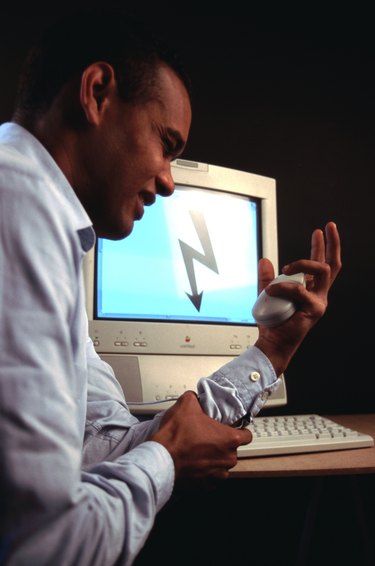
[338,462]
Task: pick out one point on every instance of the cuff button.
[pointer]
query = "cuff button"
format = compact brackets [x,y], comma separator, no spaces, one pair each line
[255,376]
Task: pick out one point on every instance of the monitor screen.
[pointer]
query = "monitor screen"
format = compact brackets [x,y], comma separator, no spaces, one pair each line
[192,258]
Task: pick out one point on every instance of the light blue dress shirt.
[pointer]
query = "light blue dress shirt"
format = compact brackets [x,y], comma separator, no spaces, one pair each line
[81,482]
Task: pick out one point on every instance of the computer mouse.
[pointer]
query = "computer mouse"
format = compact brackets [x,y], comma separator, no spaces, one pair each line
[272,311]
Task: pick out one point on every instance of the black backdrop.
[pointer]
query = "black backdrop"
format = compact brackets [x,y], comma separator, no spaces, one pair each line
[289,94]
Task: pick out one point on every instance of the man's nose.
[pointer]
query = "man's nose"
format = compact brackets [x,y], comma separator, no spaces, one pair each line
[165,182]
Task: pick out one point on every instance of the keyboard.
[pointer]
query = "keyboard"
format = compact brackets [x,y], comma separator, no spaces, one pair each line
[293,434]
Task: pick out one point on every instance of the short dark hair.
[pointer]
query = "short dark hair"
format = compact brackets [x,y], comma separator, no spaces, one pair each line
[71,44]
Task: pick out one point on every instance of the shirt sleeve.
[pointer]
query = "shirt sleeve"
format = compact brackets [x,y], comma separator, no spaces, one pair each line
[110,430]
[237,391]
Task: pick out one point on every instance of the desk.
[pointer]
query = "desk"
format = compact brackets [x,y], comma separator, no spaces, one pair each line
[337,462]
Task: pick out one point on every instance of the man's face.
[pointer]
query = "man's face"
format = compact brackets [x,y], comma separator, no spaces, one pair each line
[128,163]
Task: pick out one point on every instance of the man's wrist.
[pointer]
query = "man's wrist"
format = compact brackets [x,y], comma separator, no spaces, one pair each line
[279,357]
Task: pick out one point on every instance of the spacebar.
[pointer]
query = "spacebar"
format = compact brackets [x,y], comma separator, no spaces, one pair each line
[289,438]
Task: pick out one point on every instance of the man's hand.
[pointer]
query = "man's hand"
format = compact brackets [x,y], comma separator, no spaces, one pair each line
[201,448]
[281,342]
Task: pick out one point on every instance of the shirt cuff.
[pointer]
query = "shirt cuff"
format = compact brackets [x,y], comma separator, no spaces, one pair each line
[254,378]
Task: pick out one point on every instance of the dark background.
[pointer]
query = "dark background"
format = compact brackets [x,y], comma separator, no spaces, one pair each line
[288,93]
[285,91]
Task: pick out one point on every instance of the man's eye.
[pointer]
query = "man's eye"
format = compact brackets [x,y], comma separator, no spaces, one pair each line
[168,146]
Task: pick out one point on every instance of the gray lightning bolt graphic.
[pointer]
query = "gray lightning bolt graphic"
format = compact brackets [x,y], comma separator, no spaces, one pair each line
[207,258]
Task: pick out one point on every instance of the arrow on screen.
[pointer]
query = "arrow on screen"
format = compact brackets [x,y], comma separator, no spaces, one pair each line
[206,258]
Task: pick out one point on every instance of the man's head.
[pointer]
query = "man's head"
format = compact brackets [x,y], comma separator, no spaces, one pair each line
[112,105]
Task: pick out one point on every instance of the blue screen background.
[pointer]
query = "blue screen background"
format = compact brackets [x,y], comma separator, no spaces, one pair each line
[145,277]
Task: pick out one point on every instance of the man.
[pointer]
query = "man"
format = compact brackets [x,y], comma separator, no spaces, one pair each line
[101,112]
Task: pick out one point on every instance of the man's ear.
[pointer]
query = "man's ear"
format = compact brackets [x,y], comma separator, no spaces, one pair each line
[97,85]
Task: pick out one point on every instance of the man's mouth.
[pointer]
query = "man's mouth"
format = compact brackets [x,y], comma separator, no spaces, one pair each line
[147,198]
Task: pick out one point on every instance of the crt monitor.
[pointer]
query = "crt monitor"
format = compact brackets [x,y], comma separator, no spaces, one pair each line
[172,302]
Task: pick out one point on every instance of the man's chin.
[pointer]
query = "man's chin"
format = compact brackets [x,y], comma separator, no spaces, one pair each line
[115,233]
